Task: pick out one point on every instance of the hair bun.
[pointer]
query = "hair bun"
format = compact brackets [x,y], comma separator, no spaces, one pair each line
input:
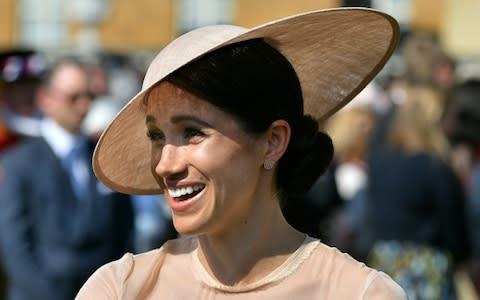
[307,157]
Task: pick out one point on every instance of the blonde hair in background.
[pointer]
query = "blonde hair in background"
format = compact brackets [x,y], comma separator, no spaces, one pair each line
[416,123]
[350,130]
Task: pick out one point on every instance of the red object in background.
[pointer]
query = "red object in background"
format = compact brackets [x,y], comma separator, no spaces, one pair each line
[7,138]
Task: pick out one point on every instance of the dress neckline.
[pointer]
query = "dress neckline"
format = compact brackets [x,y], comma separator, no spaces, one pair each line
[292,263]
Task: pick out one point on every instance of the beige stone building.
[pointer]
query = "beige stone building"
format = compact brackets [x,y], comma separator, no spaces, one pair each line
[147,25]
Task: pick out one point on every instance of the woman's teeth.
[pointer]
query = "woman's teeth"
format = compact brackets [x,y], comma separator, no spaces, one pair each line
[187,190]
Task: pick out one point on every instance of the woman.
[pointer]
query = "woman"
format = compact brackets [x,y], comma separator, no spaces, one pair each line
[230,116]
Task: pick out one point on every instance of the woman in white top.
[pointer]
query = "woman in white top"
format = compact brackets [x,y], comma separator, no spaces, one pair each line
[226,126]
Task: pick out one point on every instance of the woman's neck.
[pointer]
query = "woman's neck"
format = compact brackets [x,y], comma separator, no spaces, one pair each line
[252,249]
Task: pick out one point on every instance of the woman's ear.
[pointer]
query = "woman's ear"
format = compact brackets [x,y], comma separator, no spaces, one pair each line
[278,137]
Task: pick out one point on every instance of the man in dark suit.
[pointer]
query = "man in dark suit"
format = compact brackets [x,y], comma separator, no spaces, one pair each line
[58,224]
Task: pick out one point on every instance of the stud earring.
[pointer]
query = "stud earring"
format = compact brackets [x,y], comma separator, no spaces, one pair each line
[268,164]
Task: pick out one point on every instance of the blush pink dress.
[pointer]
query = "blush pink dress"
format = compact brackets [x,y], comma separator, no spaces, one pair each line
[314,271]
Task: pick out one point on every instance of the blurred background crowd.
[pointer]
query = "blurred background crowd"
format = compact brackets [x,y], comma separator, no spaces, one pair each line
[403,191]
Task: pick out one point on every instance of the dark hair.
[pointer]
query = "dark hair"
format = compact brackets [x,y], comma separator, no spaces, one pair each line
[257,85]
[464,106]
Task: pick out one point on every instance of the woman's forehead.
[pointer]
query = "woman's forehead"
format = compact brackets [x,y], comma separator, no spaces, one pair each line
[169,96]
[169,99]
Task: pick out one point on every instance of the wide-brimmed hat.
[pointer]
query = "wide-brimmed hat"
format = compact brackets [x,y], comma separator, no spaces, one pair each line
[335,53]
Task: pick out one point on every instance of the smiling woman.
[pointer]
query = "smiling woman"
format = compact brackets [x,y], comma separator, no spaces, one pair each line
[197,145]
[231,121]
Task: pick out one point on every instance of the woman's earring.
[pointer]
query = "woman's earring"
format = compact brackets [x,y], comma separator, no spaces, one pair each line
[268,164]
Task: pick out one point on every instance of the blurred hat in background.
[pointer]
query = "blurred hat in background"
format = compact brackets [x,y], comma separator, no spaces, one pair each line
[21,71]
[21,64]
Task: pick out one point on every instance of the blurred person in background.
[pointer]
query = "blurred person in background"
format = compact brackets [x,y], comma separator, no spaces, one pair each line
[20,73]
[462,126]
[428,75]
[57,222]
[98,79]
[152,217]
[414,203]
[424,64]
[351,130]
[427,63]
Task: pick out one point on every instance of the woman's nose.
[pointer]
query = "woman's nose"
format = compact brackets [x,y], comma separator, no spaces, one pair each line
[171,161]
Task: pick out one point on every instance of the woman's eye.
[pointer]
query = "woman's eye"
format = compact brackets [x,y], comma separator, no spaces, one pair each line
[155,136]
[192,132]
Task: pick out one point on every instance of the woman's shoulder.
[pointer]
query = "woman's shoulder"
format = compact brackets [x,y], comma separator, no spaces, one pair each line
[152,260]
[133,270]
[332,257]
[339,271]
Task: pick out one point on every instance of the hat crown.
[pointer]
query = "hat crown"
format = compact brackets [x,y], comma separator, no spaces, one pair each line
[186,48]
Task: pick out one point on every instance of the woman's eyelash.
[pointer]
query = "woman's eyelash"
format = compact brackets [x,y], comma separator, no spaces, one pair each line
[192,132]
[188,133]
[155,135]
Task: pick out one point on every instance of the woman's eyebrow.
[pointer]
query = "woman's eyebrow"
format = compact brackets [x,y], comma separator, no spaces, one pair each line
[150,119]
[178,119]
[182,118]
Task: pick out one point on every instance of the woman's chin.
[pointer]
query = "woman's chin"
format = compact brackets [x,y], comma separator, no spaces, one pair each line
[186,227]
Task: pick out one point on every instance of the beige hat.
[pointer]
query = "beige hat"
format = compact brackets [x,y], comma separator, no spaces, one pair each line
[335,53]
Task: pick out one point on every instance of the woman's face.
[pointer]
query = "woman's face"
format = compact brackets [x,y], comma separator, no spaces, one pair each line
[210,168]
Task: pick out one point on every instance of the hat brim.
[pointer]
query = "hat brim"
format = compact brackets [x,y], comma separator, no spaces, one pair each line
[335,53]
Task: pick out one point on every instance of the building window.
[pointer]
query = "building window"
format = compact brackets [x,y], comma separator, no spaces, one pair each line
[192,14]
[43,24]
